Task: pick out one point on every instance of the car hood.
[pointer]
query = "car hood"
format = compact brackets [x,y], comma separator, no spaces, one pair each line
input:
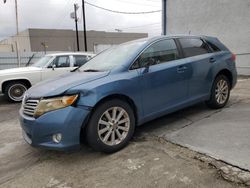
[62,83]
[20,70]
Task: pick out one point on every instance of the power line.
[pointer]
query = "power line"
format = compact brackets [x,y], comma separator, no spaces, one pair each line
[121,12]
[138,26]
[136,3]
[153,1]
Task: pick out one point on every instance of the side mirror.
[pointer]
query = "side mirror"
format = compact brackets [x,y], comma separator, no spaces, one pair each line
[151,61]
[53,66]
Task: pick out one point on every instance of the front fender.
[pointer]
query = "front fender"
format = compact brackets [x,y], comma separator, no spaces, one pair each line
[127,84]
[2,81]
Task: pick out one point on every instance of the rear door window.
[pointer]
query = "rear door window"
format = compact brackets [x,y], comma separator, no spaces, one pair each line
[62,61]
[193,47]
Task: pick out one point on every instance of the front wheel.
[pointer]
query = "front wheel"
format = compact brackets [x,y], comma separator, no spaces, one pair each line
[220,92]
[111,126]
[14,91]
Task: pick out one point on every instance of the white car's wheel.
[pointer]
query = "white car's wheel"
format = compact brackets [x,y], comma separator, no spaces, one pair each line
[14,91]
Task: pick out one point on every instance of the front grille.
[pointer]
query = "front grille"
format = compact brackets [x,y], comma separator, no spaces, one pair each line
[29,107]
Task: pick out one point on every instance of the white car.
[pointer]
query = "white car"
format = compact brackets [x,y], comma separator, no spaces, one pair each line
[14,82]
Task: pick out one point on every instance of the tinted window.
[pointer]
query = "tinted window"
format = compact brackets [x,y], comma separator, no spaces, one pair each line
[193,47]
[159,52]
[136,65]
[80,60]
[62,61]
[213,47]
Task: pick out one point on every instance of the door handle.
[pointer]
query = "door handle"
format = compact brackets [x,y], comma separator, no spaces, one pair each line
[181,69]
[212,60]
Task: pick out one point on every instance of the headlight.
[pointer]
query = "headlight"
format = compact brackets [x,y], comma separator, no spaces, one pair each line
[47,105]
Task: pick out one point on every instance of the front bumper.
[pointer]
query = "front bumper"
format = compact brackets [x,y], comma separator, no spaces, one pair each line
[67,121]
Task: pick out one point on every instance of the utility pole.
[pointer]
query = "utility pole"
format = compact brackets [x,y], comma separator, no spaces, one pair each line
[84,26]
[17,37]
[164,17]
[17,31]
[76,19]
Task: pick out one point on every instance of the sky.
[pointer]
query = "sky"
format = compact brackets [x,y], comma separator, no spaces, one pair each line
[55,14]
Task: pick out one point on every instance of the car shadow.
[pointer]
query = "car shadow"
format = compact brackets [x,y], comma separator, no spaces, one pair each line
[173,121]
[4,101]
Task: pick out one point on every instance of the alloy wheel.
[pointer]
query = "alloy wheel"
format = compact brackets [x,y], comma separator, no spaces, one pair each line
[221,91]
[113,126]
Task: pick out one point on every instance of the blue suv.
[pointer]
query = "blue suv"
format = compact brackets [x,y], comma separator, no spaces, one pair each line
[125,86]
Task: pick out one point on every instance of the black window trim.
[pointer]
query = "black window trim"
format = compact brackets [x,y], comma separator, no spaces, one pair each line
[144,49]
[210,48]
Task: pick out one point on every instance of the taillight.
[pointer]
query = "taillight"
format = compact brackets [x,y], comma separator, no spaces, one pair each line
[233,57]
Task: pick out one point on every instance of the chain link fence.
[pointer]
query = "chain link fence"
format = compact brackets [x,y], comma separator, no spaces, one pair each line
[10,59]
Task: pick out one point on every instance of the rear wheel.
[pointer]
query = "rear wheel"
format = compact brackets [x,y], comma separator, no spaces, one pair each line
[14,91]
[111,126]
[220,92]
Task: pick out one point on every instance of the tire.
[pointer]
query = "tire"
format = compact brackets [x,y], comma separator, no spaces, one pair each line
[219,96]
[101,131]
[14,91]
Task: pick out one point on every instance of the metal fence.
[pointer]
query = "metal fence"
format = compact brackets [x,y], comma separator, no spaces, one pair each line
[10,59]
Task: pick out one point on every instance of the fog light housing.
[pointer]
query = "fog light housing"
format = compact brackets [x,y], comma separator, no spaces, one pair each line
[57,137]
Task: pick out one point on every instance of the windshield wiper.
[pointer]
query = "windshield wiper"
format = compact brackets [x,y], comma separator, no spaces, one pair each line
[91,70]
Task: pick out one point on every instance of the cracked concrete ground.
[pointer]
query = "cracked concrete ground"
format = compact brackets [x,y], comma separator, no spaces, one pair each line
[148,161]
[224,134]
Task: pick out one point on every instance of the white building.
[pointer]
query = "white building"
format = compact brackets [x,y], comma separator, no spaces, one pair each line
[229,20]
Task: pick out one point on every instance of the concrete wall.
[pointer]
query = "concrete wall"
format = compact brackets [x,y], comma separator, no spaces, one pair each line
[65,40]
[229,20]
[101,37]
[22,40]
[6,48]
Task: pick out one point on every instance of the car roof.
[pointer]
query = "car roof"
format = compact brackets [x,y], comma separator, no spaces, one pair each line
[71,53]
[177,36]
[153,39]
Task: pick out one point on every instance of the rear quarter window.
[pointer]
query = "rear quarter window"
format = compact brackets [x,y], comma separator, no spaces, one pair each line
[80,60]
[213,47]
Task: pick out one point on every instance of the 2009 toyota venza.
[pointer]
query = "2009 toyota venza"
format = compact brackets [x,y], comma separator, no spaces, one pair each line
[125,86]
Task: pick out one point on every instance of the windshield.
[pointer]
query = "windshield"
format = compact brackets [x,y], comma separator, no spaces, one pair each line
[113,57]
[42,61]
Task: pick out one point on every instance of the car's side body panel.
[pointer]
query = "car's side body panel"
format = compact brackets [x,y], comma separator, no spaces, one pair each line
[32,77]
[164,85]
[161,89]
